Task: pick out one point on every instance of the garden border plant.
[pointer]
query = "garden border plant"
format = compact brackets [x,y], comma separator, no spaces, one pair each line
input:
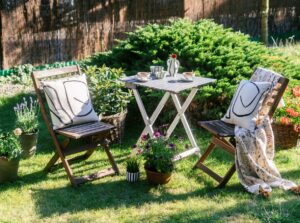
[205,47]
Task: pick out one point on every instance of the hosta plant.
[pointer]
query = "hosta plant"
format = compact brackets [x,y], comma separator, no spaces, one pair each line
[108,93]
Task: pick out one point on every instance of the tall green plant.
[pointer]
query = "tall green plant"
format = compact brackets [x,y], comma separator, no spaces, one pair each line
[204,47]
[107,91]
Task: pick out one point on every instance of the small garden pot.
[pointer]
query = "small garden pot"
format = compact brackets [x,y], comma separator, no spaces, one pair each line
[28,143]
[132,177]
[157,178]
[8,170]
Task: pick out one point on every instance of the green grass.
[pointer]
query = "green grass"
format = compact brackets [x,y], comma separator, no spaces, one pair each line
[189,197]
[292,51]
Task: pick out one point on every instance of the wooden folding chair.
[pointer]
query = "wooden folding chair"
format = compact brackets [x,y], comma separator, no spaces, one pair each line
[223,133]
[90,135]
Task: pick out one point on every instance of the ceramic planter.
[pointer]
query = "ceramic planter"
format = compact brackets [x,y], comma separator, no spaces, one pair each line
[132,177]
[8,170]
[28,143]
[157,178]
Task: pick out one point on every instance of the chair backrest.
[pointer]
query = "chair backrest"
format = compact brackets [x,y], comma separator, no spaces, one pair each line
[52,74]
[279,84]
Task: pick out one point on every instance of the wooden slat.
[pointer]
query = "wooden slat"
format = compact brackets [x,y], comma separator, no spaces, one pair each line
[218,127]
[84,130]
[55,72]
[211,173]
[225,145]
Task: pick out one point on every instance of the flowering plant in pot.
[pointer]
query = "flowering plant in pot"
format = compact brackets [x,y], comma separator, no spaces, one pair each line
[158,155]
[27,121]
[286,124]
[10,153]
[132,169]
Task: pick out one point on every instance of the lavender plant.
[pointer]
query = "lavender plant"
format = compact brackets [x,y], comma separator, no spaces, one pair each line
[27,115]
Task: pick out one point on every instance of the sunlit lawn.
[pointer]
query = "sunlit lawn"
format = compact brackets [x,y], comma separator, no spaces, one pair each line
[189,197]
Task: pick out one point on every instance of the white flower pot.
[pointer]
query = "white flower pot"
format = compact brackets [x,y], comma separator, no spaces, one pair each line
[132,177]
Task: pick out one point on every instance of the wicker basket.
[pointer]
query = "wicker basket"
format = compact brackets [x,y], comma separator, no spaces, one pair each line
[117,120]
[285,136]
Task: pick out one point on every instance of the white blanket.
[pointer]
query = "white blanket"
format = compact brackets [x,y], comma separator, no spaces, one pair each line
[254,159]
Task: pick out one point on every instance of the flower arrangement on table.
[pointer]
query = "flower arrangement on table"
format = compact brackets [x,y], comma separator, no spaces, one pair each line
[286,124]
[158,155]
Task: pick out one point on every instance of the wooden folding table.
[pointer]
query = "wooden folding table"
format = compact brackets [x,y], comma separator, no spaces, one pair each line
[172,87]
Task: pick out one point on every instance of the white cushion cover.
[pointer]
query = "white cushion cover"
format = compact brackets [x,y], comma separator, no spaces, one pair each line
[246,102]
[69,101]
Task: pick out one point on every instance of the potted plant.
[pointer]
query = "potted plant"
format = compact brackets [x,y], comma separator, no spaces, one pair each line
[286,123]
[27,121]
[158,155]
[10,153]
[109,97]
[132,169]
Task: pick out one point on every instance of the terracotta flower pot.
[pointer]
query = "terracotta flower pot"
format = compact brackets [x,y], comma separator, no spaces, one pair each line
[157,178]
[28,143]
[8,170]
[132,177]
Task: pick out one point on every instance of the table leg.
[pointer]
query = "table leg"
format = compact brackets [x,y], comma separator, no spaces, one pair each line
[157,111]
[143,111]
[181,116]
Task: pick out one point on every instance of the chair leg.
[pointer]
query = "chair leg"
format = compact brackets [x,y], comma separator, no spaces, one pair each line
[205,154]
[110,157]
[227,177]
[52,162]
[55,157]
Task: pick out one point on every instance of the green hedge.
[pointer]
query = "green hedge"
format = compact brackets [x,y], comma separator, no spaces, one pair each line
[204,47]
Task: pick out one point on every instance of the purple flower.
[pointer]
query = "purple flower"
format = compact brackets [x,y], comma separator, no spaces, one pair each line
[144,137]
[134,146]
[172,146]
[157,134]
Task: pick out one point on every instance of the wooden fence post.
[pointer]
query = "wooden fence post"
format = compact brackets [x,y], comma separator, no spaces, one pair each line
[264,20]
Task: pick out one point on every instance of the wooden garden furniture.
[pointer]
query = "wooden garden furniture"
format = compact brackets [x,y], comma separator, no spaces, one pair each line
[223,133]
[77,138]
[172,88]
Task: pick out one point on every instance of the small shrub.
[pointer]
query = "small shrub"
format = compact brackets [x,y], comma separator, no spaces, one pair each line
[107,91]
[204,47]
[10,146]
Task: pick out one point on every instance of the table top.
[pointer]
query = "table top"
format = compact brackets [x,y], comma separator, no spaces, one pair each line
[170,84]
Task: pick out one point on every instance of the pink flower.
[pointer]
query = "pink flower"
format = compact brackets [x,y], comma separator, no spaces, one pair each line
[156,134]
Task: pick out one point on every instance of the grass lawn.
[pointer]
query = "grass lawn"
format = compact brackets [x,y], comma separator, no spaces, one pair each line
[189,197]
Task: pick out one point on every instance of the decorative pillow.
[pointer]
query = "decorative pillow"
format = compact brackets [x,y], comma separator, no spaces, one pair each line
[246,102]
[69,101]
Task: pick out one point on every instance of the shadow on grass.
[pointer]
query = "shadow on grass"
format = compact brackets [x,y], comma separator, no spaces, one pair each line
[114,194]
[263,210]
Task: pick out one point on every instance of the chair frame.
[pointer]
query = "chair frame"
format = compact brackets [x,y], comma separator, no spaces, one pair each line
[227,142]
[63,149]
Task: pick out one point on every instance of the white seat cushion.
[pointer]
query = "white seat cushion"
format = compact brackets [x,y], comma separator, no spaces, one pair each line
[246,102]
[69,101]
